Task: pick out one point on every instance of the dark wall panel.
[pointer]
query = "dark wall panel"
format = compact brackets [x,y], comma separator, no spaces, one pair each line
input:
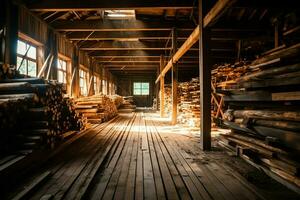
[125,88]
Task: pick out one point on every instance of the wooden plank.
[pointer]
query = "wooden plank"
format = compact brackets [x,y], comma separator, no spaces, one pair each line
[33,185]
[168,181]
[84,180]
[196,188]
[207,179]
[130,183]
[113,182]
[99,188]
[139,181]
[119,25]
[286,96]
[65,169]
[148,177]
[125,175]
[155,165]
[177,178]
[89,5]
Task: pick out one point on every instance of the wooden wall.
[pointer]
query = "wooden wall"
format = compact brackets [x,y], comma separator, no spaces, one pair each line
[125,88]
[45,38]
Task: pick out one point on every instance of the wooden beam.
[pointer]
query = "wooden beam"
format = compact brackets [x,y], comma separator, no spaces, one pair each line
[135,53]
[174,79]
[91,5]
[205,80]
[118,25]
[126,45]
[162,88]
[125,36]
[181,51]
[213,14]
[217,11]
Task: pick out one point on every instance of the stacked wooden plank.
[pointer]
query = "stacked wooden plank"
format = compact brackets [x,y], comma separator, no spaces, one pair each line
[168,100]
[95,109]
[34,113]
[127,105]
[264,112]
[118,100]
[189,103]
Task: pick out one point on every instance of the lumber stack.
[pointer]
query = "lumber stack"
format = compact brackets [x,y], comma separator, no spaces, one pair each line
[95,109]
[127,105]
[264,112]
[168,99]
[118,100]
[34,113]
[189,103]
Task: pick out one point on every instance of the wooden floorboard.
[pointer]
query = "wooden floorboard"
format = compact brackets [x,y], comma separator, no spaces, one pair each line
[136,156]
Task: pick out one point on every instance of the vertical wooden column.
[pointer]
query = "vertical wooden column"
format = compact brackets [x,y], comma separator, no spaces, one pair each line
[75,73]
[162,88]
[277,33]
[101,80]
[11,33]
[55,57]
[107,81]
[205,78]
[174,78]
[2,31]
[91,81]
[157,89]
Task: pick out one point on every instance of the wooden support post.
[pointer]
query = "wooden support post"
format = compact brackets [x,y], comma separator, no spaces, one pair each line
[101,80]
[2,31]
[157,90]
[162,88]
[11,33]
[107,81]
[174,78]
[205,82]
[276,33]
[239,46]
[91,90]
[75,68]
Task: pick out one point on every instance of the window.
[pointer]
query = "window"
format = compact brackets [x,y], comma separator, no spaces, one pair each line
[104,87]
[96,84]
[28,65]
[62,71]
[82,82]
[140,88]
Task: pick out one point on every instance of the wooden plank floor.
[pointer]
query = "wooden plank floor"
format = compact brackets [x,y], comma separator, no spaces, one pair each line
[138,157]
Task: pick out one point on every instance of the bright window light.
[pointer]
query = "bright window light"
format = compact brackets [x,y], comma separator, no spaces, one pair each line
[140,88]
[119,14]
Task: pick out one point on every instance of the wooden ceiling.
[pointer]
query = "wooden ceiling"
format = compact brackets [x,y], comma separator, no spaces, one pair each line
[134,45]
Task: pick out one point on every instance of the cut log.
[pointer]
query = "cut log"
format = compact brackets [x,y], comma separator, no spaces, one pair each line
[267,114]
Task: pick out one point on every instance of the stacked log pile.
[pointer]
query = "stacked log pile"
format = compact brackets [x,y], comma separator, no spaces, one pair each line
[118,100]
[264,112]
[127,105]
[34,113]
[168,100]
[189,103]
[95,109]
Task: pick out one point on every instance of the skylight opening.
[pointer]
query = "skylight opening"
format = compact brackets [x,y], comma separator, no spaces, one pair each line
[119,14]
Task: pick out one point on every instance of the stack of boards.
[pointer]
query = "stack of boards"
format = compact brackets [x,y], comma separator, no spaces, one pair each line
[128,105]
[95,109]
